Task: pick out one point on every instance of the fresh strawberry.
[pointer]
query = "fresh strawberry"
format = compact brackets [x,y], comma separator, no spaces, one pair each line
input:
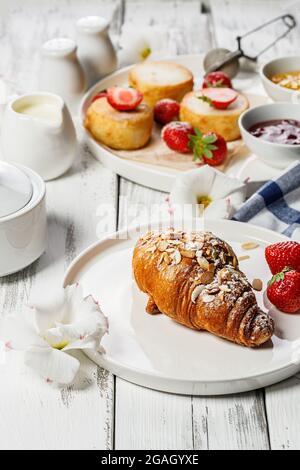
[209,148]
[101,94]
[217,80]
[124,99]
[283,254]
[219,98]
[166,110]
[284,290]
[177,136]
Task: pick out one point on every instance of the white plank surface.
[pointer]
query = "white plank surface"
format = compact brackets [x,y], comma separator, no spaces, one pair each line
[147,419]
[283,413]
[230,422]
[189,30]
[214,420]
[231,17]
[235,422]
[35,415]
[80,416]
[24,26]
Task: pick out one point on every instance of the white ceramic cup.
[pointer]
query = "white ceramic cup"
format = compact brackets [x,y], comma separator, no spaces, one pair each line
[273,154]
[23,232]
[273,67]
[38,132]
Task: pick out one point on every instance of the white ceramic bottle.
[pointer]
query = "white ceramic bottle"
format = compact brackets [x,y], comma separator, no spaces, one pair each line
[95,49]
[61,71]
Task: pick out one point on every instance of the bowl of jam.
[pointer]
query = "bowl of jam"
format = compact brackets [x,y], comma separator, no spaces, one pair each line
[281,78]
[272,132]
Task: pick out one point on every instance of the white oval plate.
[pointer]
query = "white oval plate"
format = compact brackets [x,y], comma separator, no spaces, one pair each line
[158,177]
[158,353]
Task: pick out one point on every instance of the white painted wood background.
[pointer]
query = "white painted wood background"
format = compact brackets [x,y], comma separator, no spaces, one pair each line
[100,411]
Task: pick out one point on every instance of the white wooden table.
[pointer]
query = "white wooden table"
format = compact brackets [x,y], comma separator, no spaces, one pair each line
[101,411]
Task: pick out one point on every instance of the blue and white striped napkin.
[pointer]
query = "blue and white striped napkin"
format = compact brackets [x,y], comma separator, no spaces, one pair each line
[276,205]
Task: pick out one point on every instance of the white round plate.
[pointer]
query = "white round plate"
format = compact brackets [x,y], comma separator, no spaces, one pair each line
[158,177]
[155,351]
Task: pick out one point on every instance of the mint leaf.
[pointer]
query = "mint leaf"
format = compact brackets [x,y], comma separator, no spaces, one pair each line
[212,147]
[210,139]
[205,99]
[218,84]
[198,133]
[279,276]
[208,153]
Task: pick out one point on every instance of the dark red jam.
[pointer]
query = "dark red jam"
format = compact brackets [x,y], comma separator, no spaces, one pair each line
[279,131]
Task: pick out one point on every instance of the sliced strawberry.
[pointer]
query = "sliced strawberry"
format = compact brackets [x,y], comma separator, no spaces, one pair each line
[219,98]
[101,94]
[209,148]
[177,135]
[166,110]
[124,99]
[217,80]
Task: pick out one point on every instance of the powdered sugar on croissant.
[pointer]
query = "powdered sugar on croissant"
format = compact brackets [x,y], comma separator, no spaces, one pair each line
[194,278]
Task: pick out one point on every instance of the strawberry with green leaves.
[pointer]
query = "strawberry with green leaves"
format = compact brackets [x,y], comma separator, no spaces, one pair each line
[208,148]
[284,290]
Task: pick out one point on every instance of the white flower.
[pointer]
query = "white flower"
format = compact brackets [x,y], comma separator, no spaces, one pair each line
[140,43]
[46,333]
[219,195]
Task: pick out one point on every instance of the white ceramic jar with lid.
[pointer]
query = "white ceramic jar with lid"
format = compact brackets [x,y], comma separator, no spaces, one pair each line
[23,221]
[95,49]
[61,71]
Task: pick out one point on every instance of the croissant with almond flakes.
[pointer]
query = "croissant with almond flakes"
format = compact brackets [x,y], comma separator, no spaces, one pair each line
[194,279]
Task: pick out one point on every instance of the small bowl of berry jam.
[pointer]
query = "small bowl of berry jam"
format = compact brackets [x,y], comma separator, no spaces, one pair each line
[272,132]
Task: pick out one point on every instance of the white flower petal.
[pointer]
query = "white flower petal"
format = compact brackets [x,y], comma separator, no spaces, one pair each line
[52,364]
[76,305]
[63,307]
[182,193]
[50,309]
[86,333]
[226,193]
[157,36]
[137,40]
[90,331]
[220,209]
[191,184]
[224,186]
[19,334]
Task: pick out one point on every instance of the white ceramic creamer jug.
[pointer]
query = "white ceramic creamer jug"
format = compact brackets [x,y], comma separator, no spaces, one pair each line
[38,132]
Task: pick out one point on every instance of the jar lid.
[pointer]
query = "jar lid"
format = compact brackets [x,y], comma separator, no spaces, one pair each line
[92,24]
[15,189]
[59,47]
